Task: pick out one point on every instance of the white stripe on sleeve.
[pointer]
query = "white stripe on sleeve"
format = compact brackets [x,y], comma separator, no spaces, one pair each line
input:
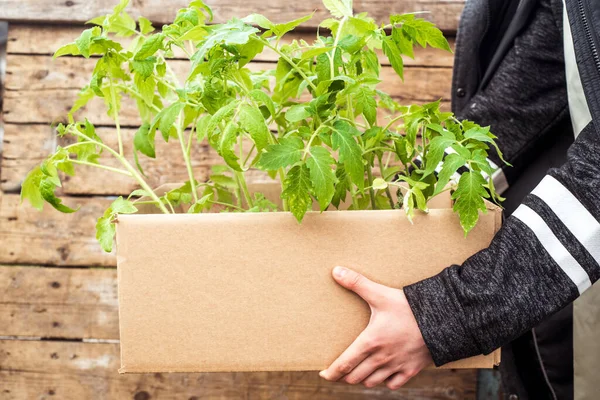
[572,213]
[554,247]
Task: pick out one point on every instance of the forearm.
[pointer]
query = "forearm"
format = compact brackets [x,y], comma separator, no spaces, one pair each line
[543,258]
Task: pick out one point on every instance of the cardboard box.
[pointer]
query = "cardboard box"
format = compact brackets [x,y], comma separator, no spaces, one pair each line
[254,292]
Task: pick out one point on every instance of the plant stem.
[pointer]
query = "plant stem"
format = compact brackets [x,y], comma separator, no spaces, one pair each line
[281,178]
[128,167]
[228,205]
[399,117]
[116,170]
[113,96]
[335,44]
[292,63]
[244,186]
[370,179]
[186,155]
[387,189]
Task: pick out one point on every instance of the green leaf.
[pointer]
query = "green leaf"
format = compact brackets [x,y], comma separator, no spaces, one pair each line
[339,8]
[451,164]
[68,49]
[253,122]
[47,187]
[105,232]
[350,152]
[364,102]
[258,20]
[342,187]
[322,175]
[143,141]
[468,199]
[146,87]
[481,134]
[296,113]
[435,152]
[83,42]
[289,151]
[122,206]
[145,26]
[379,184]
[232,33]
[221,115]
[152,44]
[261,97]
[30,189]
[393,54]
[166,119]
[281,29]
[224,180]
[421,31]
[296,191]
[144,68]
[200,204]
[226,145]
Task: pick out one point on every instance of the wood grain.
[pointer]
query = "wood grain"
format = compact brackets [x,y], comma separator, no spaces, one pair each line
[24,39]
[445,13]
[35,73]
[49,237]
[58,302]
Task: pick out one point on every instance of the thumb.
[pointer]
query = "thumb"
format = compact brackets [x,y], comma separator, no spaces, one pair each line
[352,280]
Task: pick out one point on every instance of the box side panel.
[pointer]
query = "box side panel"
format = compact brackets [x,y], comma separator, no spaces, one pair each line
[250,292]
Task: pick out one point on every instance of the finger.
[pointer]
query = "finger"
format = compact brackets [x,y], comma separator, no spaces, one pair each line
[378,376]
[397,380]
[352,280]
[356,353]
[362,370]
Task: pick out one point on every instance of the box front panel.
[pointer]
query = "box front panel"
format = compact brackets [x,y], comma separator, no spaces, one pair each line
[243,292]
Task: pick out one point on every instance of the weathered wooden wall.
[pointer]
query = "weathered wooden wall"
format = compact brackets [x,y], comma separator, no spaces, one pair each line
[58,299]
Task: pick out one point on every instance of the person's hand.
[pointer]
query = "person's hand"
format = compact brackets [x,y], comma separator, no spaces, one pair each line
[391,349]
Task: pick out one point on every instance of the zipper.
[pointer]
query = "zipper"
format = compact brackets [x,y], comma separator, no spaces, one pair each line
[588,34]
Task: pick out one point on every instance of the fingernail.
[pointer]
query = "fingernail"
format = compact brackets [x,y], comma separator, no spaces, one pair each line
[322,374]
[339,272]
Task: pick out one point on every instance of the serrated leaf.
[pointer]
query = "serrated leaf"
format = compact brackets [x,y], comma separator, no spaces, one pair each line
[68,49]
[221,115]
[393,54]
[296,191]
[289,151]
[468,199]
[30,189]
[342,187]
[166,119]
[47,187]
[143,141]
[342,139]
[152,44]
[232,33]
[258,20]
[146,87]
[321,175]
[261,97]
[105,232]
[145,26]
[226,145]
[200,204]
[253,122]
[84,41]
[281,29]
[123,206]
[364,102]
[451,164]
[296,113]
[339,8]
[144,68]
[435,153]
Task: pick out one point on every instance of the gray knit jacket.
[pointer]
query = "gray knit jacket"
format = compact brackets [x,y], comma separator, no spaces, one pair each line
[548,252]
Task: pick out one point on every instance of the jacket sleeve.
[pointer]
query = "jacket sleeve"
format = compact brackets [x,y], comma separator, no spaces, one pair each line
[525,101]
[543,258]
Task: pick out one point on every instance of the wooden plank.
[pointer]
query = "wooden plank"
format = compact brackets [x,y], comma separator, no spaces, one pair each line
[25,73]
[27,145]
[46,39]
[49,237]
[57,302]
[75,370]
[445,13]
[52,105]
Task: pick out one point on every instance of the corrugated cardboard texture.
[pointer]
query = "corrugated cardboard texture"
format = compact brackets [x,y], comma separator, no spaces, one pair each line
[253,292]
